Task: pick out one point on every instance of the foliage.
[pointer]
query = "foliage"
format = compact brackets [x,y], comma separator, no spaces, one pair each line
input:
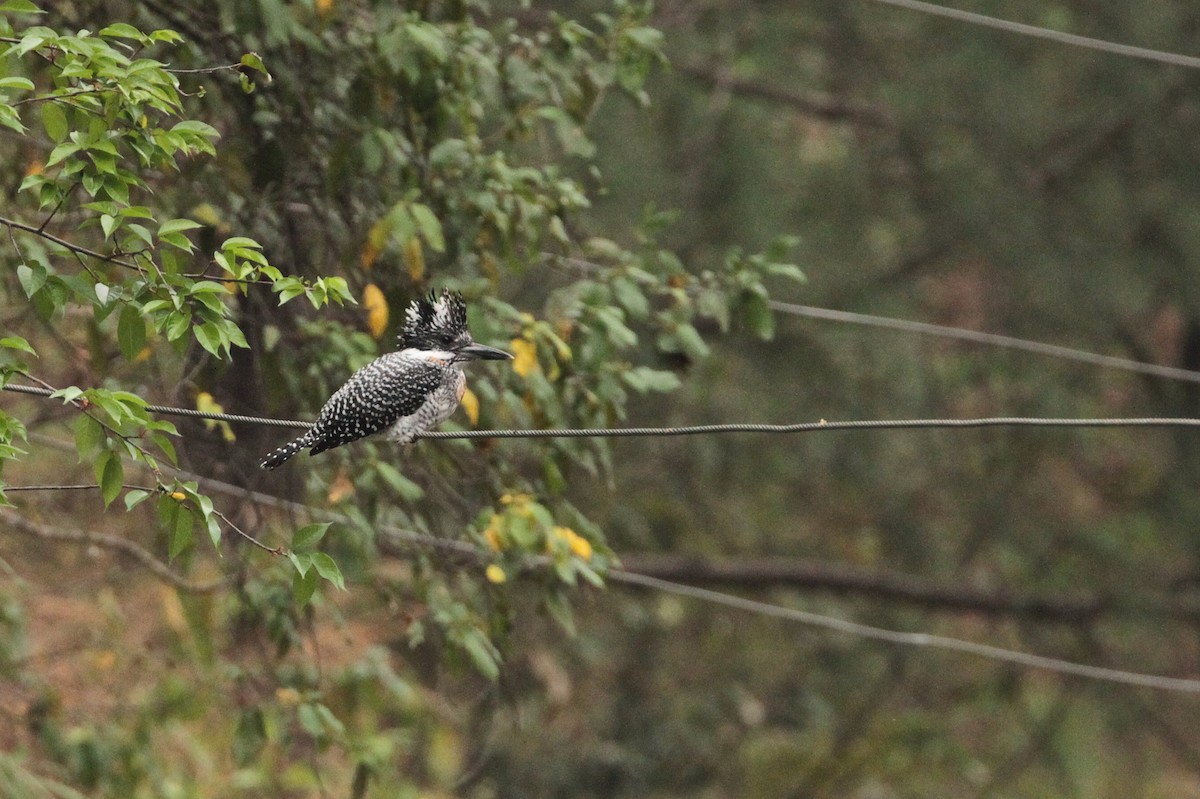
[427,145]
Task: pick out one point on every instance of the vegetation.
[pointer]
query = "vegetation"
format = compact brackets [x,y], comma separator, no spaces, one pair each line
[228,208]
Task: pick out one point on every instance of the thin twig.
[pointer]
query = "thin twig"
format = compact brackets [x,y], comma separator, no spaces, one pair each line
[42,227]
[76,248]
[247,536]
[41,98]
[75,487]
[202,70]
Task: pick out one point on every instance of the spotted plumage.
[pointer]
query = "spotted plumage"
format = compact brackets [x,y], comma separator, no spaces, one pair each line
[401,393]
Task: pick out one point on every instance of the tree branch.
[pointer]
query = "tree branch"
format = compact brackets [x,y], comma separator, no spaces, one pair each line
[75,248]
[135,552]
[826,108]
[798,573]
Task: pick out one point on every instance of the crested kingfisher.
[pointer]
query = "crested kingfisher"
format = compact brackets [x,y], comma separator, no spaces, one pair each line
[405,392]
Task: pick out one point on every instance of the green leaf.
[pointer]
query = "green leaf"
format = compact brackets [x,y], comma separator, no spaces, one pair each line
[198,127]
[249,737]
[307,537]
[631,297]
[68,394]
[17,343]
[178,241]
[20,7]
[237,242]
[32,278]
[429,227]
[165,446]
[759,317]
[691,342]
[179,534]
[209,337]
[407,489]
[302,562]
[214,527]
[89,437]
[10,119]
[61,152]
[110,474]
[54,120]
[560,610]
[131,332]
[789,271]
[254,61]
[135,497]
[123,30]
[643,379]
[16,83]
[164,35]
[177,226]
[483,655]
[304,586]
[328,569]
[310,722]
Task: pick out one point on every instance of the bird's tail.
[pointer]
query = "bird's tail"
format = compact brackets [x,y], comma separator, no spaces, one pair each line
[280,455]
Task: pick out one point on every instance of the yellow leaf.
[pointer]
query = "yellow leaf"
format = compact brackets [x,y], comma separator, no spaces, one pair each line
[178,496]
[579,546]
[207,214]
[368,255]
[525,360]
[324,7]
[341,488]
[414,258]
[377,238]
[491,267]
[287,696]
[492,533]
[377,310]
[172,609]
[206,404]
[470,404]
[105,659]
[495,574]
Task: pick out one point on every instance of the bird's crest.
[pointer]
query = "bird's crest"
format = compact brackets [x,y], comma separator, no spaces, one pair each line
[434,322]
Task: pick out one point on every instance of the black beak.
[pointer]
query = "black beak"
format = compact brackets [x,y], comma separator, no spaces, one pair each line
[482,352]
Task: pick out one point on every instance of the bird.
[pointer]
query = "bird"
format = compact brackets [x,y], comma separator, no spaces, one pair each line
[400,393]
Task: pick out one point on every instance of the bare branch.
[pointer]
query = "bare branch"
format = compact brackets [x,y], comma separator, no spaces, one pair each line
[135,552]
[798,573]
[827,108]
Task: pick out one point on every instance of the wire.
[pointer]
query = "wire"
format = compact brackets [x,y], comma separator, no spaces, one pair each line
[958,333]
[167,410]
[395,536]
[812,427]
[991,339]
[1161,56]
[703,429]
[926,640]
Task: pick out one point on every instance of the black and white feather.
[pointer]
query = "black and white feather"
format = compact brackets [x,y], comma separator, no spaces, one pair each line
[401,393]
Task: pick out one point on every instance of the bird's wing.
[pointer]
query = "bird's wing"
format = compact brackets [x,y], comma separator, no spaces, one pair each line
[373,398]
